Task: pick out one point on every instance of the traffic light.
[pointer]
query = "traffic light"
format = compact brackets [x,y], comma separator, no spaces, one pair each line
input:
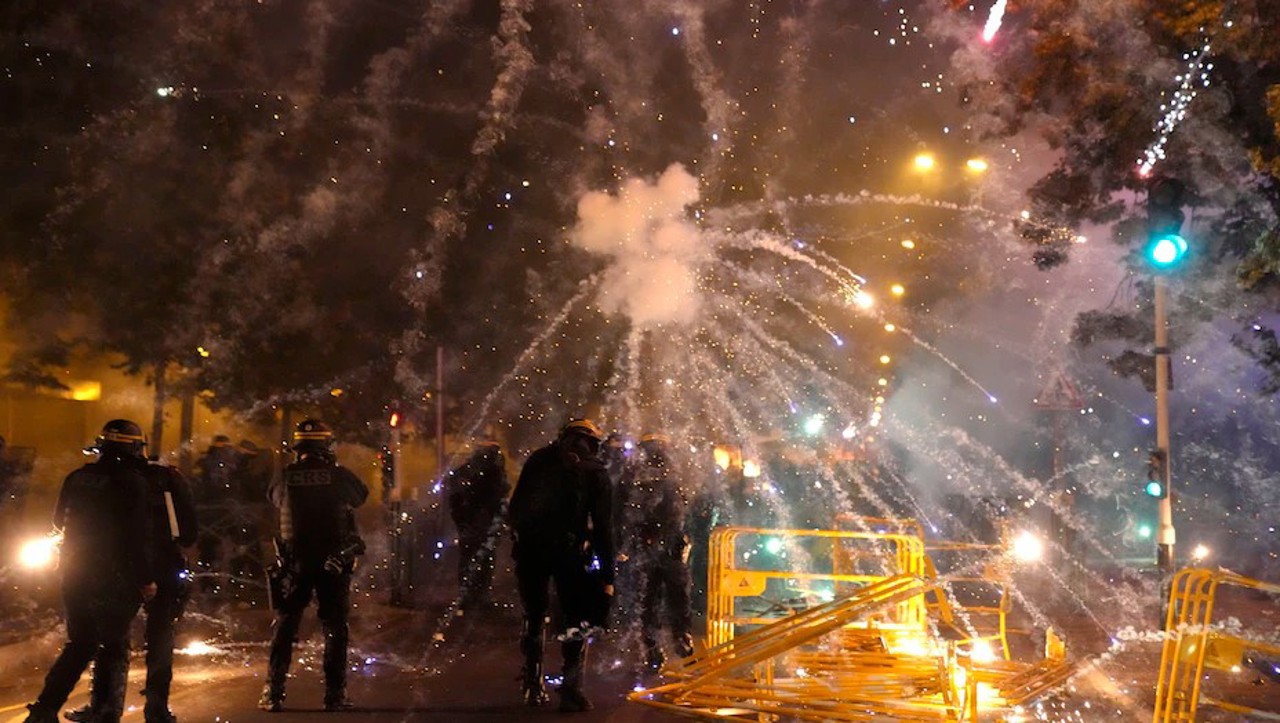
[1166,248]
[1157,474]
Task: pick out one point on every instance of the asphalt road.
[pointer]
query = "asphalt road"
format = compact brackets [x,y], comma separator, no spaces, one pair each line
[419,664]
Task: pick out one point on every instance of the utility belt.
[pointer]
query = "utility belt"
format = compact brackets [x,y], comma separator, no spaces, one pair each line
[285,572]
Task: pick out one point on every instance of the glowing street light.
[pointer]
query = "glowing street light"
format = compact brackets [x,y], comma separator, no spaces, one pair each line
[1199,553]
[1027,547]
[863,300]
[897,289]
[924,162]
[976,165]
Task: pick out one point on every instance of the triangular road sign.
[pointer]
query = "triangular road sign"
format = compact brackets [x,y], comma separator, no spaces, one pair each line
[1059,393]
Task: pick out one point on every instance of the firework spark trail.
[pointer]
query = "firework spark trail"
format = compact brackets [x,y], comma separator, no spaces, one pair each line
[585,288]
[716,103]
[763,282]
[767,242]
[750,211]
[635,346]
[786,352]
[1196,73]
[515,62]
[792,110]
[945,360]
[1066,515]
[993,21]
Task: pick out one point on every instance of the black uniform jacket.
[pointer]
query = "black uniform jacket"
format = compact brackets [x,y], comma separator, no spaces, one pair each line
[102,512]
[317,496]
[475,490]
[166,548]
[562,508]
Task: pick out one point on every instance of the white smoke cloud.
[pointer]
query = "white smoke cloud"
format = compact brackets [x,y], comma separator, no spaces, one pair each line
[655,250]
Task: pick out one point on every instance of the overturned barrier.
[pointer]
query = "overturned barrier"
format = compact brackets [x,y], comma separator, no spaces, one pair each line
[876,650]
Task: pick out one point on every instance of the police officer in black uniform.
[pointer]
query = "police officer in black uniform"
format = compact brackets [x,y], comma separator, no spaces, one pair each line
[561,516]
[171,516]
[319,542]
[106,565]
[659,548]
[476,491]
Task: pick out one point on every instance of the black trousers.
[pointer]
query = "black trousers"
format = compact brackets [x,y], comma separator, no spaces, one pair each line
[666,579]
[475,562]
[332,592]
[98,621]
[581,601]
[163,612]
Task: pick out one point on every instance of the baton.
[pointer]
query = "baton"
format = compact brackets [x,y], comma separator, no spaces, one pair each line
[173,515]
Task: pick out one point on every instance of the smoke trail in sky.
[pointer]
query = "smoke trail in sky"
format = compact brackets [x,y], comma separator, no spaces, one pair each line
[716,103]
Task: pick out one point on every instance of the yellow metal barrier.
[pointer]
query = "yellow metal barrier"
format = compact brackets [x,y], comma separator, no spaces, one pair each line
[873,652]
[759,672]
[728,580]
[983,622]
[1192,644]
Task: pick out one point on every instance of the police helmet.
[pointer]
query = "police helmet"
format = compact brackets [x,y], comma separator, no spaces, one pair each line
[312,435]
[121,437]
[584,427]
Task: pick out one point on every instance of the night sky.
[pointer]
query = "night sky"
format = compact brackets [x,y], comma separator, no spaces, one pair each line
[703,217]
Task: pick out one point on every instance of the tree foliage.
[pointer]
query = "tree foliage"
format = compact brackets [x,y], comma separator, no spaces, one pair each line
[1093,78]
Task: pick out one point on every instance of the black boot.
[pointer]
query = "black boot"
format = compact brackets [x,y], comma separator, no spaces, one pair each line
[158,714]
[532,688]
[572,699]
[335,666]
[83,714]
[335,699]
[684,645]
[654,659]
[272,700]
[110,678]
[37,714]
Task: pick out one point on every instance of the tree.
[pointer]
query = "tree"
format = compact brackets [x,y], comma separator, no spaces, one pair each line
[1093,79]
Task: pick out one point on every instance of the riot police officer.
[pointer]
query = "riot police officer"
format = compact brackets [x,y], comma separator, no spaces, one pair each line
[561,516]
[318,544]
[476,491]
[659,549]
[106,567]
[171,517]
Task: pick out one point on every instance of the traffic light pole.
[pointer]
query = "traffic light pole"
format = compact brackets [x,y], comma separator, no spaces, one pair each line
[1165,536]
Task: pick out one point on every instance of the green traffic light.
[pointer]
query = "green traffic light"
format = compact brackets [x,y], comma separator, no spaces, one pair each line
[1167,250]
[1155,489]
